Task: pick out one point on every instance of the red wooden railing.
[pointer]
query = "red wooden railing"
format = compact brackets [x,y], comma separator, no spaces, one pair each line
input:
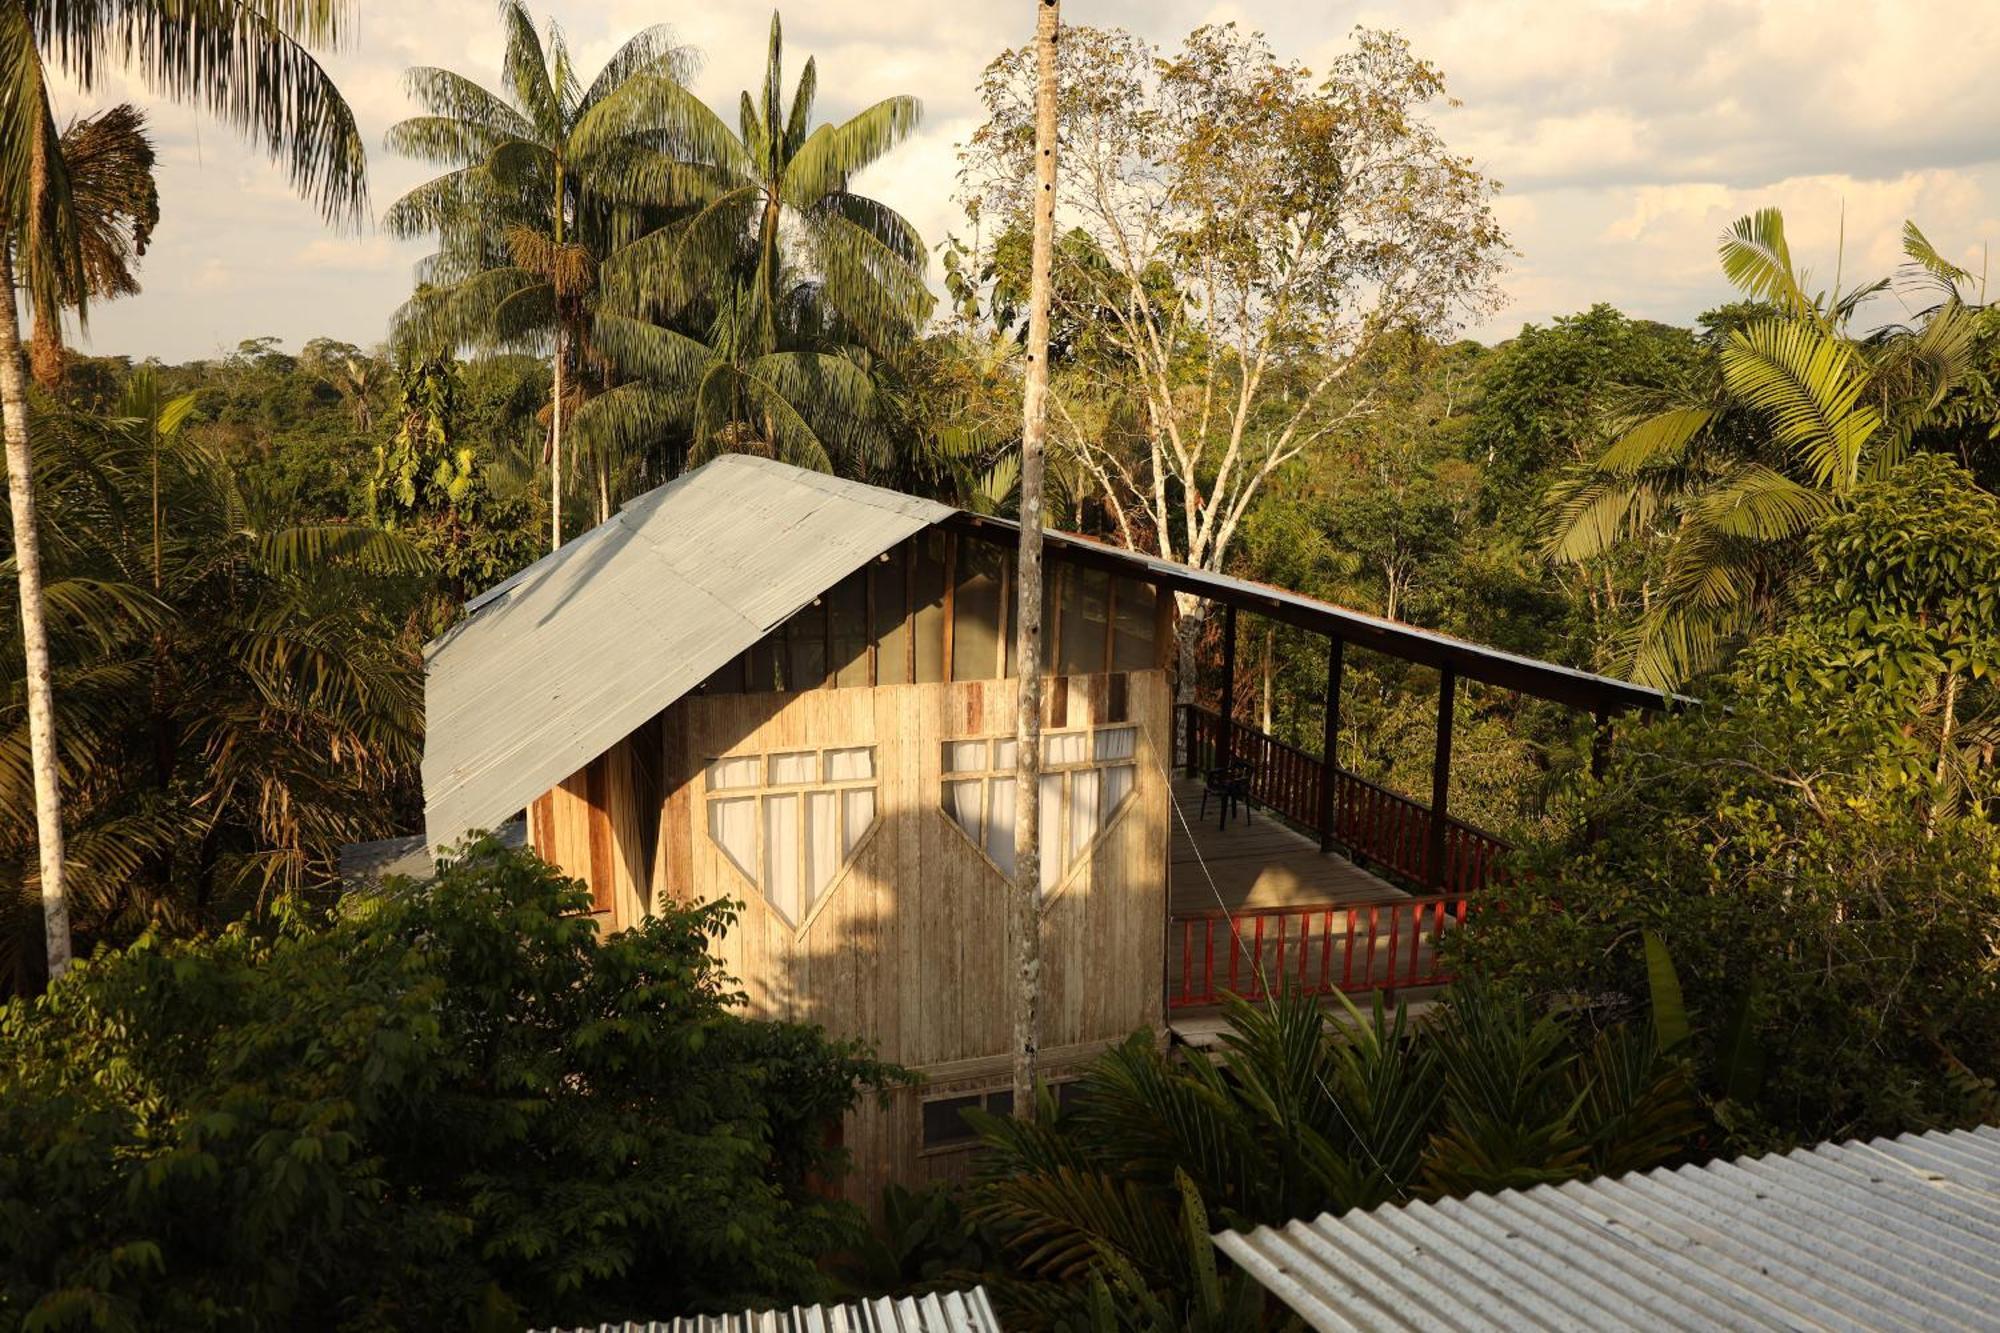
[1372,823]
[1355,947]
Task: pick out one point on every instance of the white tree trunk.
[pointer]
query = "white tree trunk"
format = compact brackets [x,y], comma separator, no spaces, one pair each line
[34,625]
[1025,921]
[555,451]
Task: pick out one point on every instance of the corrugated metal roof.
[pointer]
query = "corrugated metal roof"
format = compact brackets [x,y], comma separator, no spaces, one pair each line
[1893,1233]
[943,1312]
[364,863]
[1475,661]
[558,663]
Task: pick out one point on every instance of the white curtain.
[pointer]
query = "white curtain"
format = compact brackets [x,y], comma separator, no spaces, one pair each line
[733,826]
[727,774]
[850,765]
[858,818]
[781,854]
[1067,747]
[1118,781]
[823,855]
[961,801]
[964,756]
[1004,752]
[1082,812]
[1051,830]
[1117,743]
[792,770]
[1000,823]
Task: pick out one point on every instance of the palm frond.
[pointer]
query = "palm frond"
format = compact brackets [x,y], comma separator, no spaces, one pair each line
[1757,259]
[1808,383]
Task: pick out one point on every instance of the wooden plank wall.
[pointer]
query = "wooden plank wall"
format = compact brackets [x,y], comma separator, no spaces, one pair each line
[599,824]
[908,947]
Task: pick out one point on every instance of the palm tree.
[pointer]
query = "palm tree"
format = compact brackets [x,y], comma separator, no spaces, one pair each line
[1800,413]
[233,697]
[760,318]
[108,159]
[248,63]
[542,182]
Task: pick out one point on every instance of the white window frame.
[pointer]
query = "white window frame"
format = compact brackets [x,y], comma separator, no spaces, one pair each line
[992,771]
[765,789]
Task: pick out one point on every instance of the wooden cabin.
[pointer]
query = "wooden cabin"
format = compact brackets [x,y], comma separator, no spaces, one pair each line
[797,692]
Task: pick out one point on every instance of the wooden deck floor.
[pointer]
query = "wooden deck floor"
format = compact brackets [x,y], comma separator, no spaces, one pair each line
[1261,863]
[1265,864]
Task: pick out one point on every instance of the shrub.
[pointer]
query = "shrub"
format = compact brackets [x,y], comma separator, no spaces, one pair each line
[455,1106]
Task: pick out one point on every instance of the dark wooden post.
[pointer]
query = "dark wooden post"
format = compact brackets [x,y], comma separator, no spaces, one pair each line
[1441,776]
[1600,756]
[1225,733]
[1329,750]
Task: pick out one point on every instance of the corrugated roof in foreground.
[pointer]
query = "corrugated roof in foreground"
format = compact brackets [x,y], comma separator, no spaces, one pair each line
[1892,1233]
[942,1312]
[555,665]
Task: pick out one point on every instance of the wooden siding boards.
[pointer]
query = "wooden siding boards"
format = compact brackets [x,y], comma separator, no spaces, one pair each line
[908,948]
[562,661]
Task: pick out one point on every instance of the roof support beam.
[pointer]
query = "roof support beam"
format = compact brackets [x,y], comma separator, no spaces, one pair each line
[1441,776]
[1225,750]
[1336,667]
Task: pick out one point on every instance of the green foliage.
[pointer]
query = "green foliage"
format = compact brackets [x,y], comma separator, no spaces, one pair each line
[1812,846]
[1302,1113]
[1729,476]
[236,694]
[453,1106]
[428,485]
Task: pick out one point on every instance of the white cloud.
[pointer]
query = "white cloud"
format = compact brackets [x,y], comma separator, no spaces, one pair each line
[1628,133]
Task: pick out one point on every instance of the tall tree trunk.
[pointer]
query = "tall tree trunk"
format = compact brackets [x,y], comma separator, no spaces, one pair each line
[555,451]
[34,626]
[1025,922]
[556,407]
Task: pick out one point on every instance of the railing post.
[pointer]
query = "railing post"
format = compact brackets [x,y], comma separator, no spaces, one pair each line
[1441,776]
[1329,754]
[1225,737]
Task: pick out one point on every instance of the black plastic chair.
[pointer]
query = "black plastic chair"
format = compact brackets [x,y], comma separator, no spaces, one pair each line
[1230,784]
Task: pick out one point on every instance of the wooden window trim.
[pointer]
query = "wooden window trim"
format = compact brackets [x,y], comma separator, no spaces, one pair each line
[764,788]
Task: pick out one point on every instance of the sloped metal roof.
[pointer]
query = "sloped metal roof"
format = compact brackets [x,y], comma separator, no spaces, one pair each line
[944,1312]
[1891,1233]
[554,666]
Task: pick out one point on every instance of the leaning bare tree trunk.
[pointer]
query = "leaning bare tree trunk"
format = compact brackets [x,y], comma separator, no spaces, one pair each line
[34,627]
[1025,922]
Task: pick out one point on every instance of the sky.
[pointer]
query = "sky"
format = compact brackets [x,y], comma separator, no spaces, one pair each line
[1625,134]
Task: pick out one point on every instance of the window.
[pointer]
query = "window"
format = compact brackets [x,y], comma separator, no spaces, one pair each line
[1086,776]
[944,1118]
[791,821]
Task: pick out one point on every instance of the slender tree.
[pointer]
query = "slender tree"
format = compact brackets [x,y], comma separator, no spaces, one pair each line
[1239,233]
[1801,411]
[757,320]
[1026,919]
[543,181]
[250,64]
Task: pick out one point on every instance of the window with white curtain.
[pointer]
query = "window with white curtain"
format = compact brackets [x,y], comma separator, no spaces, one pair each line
[791,820]
[1086,778]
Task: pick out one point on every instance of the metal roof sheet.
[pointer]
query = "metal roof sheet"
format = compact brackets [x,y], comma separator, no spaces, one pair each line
[1891,1233]
[940,1312]
[554,666]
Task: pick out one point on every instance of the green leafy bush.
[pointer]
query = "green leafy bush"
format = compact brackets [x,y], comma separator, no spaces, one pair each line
[1112,1198]
[454,1107]
[1814,845]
